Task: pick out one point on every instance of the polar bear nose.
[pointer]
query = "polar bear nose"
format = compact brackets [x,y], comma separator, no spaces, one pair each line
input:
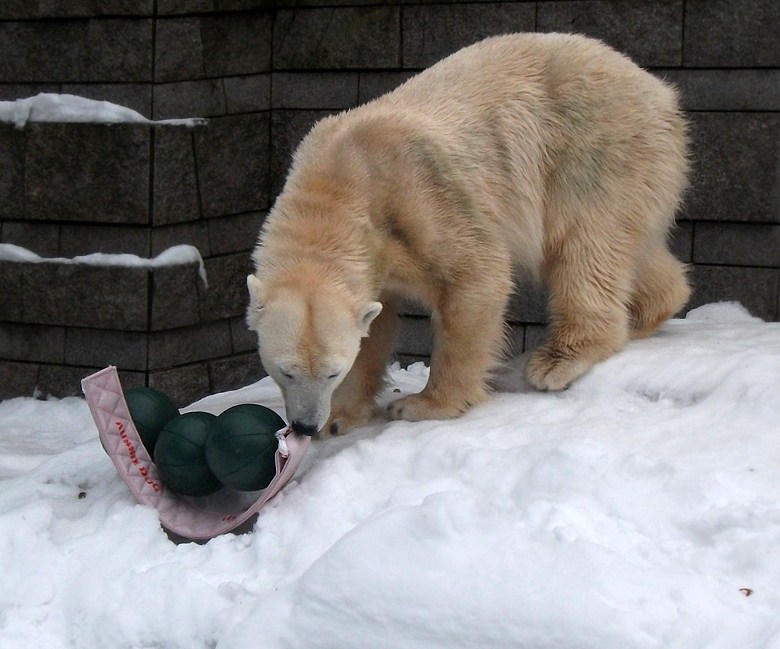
[303,429]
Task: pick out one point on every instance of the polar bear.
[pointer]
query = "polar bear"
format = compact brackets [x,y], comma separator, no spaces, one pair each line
[549,156]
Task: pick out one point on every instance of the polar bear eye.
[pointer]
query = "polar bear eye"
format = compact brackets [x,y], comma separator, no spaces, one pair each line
[287,375]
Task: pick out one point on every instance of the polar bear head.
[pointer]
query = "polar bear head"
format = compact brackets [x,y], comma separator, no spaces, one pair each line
[308,339]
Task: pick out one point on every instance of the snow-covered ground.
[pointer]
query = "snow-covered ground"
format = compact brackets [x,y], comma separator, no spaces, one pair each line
[638,509]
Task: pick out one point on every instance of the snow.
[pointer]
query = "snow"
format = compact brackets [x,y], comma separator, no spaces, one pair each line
[51,107]
[173,256]
[630,510]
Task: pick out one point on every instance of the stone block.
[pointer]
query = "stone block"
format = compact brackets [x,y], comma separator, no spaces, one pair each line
[735,161]
[26,10]
[178,50]
[12,153]
[755,288]
[288,128]
[176,7]
[76,51]
[681,241]
[376,84]
[649,32]
[232,161]
[183,384]
[126,350]
[415,337]
[315,90]
[77,239]
[183,99]
[17,379]
[515,337]
[137,96]
[431,32]
[726,90]
[226,295]
[737,244]
[41,238]
[175,185]
[337,38]
[347,3]
[410,307]
[12,91]
[732,33]
[238,233]
[193,233]
[43,51]
[528,303]
[80,295]
[237,44]
[176,347]
[119,50]
[244,339]
[244,5]
[535,336]
[32,343]
[235,372]
[175,297]
[62,381]
[248,94]
[405,360]
[12,275]
[95,173]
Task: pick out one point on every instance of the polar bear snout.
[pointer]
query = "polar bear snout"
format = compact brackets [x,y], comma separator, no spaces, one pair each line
[303,429]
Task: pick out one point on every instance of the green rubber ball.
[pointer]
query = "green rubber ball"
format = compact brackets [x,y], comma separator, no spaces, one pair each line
[180,455]
[242,447]
[150,411]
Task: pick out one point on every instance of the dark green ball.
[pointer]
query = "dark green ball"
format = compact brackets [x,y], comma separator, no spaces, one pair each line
[180,455]
[242,446]
[150,411]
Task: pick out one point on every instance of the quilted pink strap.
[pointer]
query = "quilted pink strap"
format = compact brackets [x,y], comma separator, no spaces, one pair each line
[187,517]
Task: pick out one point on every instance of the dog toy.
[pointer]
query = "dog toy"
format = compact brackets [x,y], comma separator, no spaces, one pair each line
[197,453]
[240,450]
[180,454]
[150,410]
[182,517]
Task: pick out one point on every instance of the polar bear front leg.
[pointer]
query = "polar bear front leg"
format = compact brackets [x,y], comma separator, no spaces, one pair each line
[469,339]
[353,402]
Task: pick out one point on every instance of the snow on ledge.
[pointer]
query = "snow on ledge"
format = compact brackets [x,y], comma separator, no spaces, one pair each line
[175,256]
[50,107]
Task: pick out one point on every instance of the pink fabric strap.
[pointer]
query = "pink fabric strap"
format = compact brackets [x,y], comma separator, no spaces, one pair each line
[187,517]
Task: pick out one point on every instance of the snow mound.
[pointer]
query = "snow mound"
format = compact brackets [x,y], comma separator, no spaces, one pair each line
[639,508]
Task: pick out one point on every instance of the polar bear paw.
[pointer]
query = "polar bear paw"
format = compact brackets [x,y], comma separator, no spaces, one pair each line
[344,420]
[550,369]
[419,407]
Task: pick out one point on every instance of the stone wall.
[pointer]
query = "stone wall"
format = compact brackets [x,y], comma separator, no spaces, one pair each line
[263,72]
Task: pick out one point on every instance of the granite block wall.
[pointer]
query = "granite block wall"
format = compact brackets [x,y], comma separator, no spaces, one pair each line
[262,72]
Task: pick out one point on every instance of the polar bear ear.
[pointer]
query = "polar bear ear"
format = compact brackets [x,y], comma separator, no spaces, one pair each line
[256,293]
[366,316]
